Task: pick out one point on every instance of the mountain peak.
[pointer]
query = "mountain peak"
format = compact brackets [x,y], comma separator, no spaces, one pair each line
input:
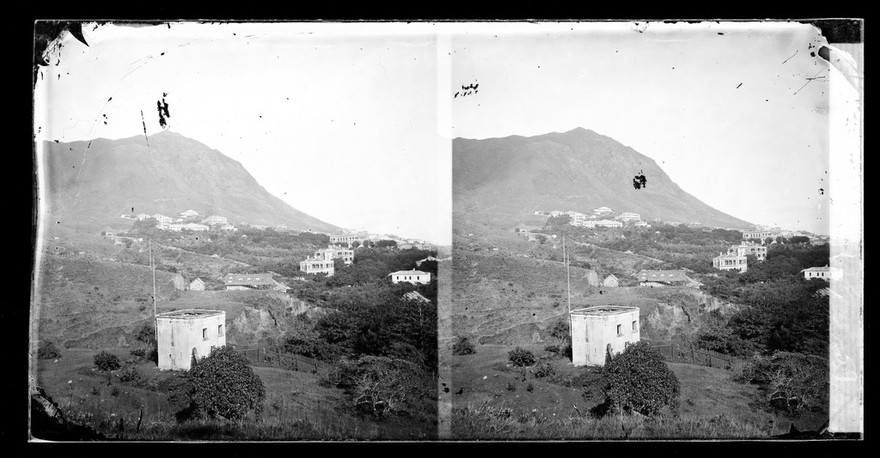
[502,182]
[174,174]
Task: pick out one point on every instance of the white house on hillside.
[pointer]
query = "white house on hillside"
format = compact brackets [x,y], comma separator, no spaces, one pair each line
[215,220]
[602,330]
[410,276]
[197,285]
[824,273]
[187,334]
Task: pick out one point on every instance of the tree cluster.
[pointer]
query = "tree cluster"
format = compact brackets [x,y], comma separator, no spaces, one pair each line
[638,380]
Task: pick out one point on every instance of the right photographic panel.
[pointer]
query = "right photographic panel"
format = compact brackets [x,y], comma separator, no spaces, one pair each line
[657,231]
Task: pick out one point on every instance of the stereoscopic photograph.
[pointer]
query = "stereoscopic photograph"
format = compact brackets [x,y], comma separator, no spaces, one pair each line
[450,231]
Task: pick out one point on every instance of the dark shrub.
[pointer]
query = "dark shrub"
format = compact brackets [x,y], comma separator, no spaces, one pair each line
[560,330]
[511,386]
[552,349]
[47,350]
[106,361]
[114,391]
[130,375]
[463,347]
[224,386]
[544,369]
[520,357]
[530,387]
[639,381]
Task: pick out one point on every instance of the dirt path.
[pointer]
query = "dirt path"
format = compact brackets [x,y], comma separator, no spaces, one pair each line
[203,255]
[616,251]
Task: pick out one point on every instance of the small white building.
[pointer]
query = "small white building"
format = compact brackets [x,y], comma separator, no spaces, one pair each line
[610,281]
[600,330]
[347,239]
[745,248]
[629,216]
[195,227]
[215,220]
[411,276]
[758,234]
[189,214]
[197,285]
[243,282]
[824,273]
[184,334]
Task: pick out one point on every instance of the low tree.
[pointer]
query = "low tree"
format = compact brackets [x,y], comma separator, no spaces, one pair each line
[47,350]
[106,362]
[224,386]
[639,381]
[463,347]
[520,357]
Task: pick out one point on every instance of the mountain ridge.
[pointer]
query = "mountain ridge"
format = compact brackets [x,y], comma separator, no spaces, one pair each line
[501,181]
[89,181]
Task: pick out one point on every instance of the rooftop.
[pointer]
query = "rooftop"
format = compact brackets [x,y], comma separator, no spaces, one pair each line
[604,310]
[249,279]
[408,272]
[662,275]
[190,314]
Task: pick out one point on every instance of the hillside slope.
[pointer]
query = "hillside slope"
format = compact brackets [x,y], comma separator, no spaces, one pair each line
[91,182]
[502,181]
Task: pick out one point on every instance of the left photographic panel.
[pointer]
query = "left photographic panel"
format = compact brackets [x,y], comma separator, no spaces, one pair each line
[240,227]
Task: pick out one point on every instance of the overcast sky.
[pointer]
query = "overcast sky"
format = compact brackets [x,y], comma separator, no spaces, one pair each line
[725,109]
[348,110]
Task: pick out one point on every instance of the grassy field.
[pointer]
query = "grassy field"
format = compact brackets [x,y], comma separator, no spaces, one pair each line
[492,401]
[501,298]
[296,407]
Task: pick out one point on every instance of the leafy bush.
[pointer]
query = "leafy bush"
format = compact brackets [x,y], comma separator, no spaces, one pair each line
[520,357]
[130,375]
[114,391]
[560,330]
[47,350]
[639,381]
[106,361]
[511,386]
[530,387]
[463,347]
[224,386]
[552,349]
[544,369]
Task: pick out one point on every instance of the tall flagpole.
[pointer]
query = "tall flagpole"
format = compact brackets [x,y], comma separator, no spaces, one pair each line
[567,279]
[153,270]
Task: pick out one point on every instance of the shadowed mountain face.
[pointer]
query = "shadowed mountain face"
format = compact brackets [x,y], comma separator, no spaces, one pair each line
[501,181]
[91,182]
